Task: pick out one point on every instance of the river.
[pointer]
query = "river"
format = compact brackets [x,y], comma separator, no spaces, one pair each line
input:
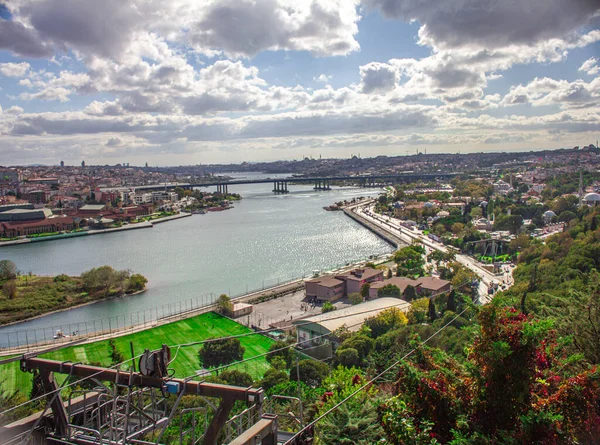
[266,239]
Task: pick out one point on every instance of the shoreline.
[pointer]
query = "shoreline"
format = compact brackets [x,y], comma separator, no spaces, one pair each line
[56,311]
[134,226]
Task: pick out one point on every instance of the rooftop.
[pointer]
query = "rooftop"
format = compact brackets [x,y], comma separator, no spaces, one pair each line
[354,316]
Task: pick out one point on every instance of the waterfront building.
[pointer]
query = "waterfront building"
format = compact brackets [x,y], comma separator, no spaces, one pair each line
[333,288]
[423,285]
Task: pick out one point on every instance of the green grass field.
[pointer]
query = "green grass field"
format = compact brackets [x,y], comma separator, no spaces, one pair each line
[193,329]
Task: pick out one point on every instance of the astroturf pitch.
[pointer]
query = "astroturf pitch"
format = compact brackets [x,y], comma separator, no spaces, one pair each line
[201,327]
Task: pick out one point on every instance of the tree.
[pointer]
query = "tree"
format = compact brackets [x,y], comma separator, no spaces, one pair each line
[410,293]
[347,357]
[280,350]
[355,421]
[217,352]
[387,320]
[362,343]
[327,307]
[311,372]
[451,302]
[105,278]
[137,282]
[236,378]
[517,387]
[364,290]
[273,377]
[410,260]
[355,298]
[389,290]
[418,311]
[431,311]
[224,305]
[8,270]
[9,289]
[116,356]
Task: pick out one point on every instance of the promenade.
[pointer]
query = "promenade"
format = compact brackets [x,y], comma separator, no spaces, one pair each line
[134,226]
[390,227]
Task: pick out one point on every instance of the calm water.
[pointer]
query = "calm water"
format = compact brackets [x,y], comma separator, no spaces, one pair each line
[265,239]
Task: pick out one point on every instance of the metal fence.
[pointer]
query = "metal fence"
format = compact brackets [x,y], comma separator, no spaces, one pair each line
[18,342]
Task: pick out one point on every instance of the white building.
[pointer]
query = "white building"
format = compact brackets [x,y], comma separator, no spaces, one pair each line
[164,196]
[142,198]
[502,188]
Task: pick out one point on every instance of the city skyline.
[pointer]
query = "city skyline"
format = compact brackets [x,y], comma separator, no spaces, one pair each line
[233,81]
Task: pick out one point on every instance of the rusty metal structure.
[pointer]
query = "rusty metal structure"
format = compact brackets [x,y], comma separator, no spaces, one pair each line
[135,408]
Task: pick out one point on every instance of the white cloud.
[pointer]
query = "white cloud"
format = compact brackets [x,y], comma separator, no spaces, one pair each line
[14,69]
[322,78]
[114,142]
[590,67]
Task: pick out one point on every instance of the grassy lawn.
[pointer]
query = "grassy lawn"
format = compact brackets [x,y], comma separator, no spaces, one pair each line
[193,329]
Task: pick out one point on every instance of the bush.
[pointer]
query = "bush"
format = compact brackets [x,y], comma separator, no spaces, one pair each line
[355,298]
[327,307]
[61,278]
[9,289]
[348,357]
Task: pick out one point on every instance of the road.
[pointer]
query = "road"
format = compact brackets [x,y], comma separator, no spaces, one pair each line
[392,225]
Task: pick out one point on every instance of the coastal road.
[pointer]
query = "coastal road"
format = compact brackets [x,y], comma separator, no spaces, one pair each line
[392,225]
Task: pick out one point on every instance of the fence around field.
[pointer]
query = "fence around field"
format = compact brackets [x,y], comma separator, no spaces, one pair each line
[18,342]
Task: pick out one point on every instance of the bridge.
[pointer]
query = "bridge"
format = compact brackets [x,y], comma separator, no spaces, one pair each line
[280,185]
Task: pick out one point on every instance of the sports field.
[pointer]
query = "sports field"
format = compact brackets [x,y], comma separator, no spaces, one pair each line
[193,329]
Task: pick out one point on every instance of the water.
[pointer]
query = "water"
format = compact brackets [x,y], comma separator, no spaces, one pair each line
[264,240]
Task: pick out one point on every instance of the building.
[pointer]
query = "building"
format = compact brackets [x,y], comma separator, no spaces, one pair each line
[502,188]
[62,163]
[333,288]
[164,196]
[241,309]
[423,285]
[15,215]
[325,289]
[310,331]
[142,198]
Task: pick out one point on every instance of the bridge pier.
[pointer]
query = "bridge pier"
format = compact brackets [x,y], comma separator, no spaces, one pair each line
[280,187]
[322,184]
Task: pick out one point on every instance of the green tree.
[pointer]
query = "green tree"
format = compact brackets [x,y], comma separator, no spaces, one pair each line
[410,293]
[418,311]
[311,372]
[273,377]
[137,282]
[115,355]
[355,421]
[236,378]
[105,279]
[280,350]
[347,357]
[224,304]
[451,302]
[364,291]
[9,289]
[8,270]
[431,311]
[217,352]
[389,290]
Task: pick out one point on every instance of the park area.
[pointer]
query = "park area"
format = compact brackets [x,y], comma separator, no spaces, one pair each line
[201,327]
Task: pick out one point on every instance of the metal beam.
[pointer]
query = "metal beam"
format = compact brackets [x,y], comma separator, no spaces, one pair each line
[263,432]
[250,395]
[216,424]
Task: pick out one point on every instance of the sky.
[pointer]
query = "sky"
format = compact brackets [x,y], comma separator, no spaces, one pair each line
[184,82]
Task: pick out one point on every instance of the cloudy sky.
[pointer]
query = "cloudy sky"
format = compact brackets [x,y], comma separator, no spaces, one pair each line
[185,82]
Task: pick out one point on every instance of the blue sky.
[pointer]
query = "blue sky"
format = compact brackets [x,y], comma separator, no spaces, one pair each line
[235,80]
